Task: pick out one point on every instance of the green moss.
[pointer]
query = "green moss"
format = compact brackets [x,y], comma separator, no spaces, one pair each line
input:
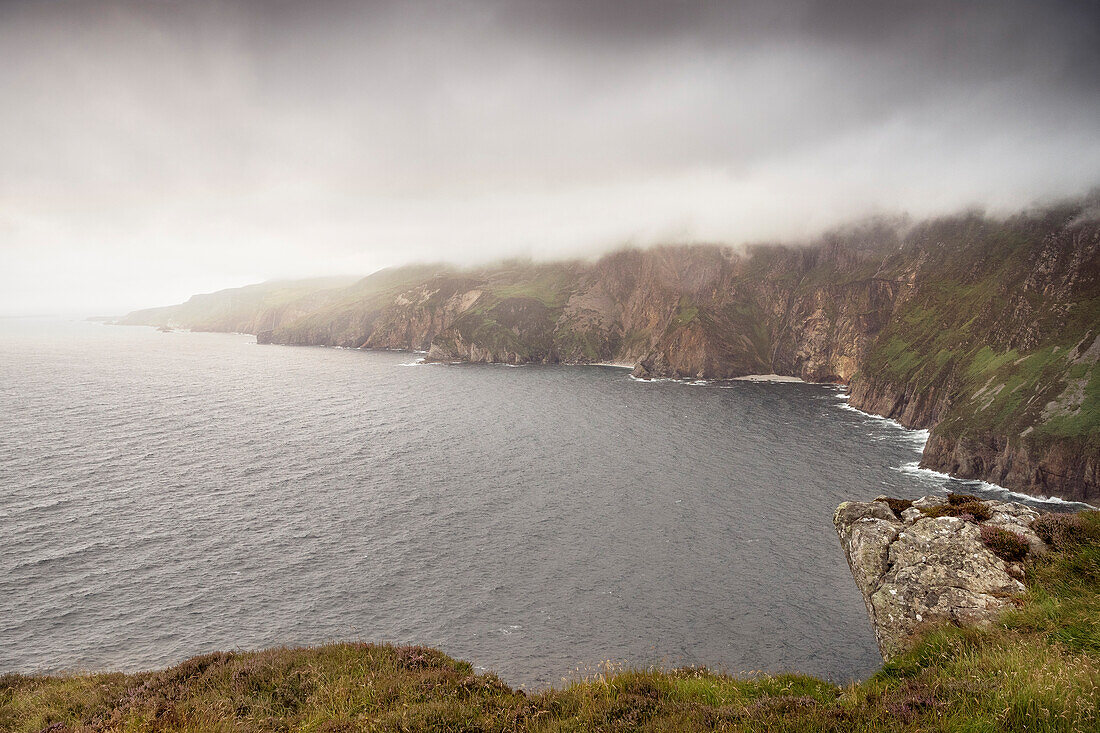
[1083,421]
[686,313]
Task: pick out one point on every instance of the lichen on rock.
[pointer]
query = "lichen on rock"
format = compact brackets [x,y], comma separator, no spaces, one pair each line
[916,570]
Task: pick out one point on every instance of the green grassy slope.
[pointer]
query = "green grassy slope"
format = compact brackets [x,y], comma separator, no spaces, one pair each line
[994,336]
[962,320]
[236,309]
[1038,670]
[345,317]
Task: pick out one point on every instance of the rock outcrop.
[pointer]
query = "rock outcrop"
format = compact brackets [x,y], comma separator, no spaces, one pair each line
[917,568]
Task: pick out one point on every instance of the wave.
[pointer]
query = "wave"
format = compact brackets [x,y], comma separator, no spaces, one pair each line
[914,468]
[30,509]
[918,437]
[61,555]
[654,380]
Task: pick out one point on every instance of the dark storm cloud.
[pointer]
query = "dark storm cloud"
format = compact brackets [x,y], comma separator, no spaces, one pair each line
[168,146]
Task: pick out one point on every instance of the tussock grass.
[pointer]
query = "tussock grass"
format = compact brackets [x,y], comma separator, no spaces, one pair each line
[1037,671]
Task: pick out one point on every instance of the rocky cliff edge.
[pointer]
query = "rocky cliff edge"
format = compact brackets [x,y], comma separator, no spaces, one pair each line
[938,559]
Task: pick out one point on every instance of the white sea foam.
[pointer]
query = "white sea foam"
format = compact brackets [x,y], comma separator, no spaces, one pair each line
[871,415]
[918,438]
[915,469]
[653,380]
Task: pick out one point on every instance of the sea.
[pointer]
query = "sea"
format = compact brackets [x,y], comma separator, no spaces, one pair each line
[164,495]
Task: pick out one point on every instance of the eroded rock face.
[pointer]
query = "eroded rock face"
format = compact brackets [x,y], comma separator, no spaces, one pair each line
[1057,469]
[922,570]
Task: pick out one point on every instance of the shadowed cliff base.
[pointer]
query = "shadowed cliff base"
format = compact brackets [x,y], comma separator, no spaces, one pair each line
[1037,668]
[985,330]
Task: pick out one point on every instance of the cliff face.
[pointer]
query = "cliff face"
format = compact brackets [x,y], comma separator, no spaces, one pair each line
[1050,468]
[985,331]
[993,344]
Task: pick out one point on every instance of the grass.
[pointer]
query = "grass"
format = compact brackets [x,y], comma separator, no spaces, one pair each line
[686,312]
[1087,416]
[550,284]
[1037,671]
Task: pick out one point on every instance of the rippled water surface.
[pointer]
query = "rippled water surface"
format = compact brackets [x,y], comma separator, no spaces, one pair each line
[167,494]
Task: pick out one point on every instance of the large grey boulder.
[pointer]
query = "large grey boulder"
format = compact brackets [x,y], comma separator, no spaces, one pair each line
[1016,518]
[925,570]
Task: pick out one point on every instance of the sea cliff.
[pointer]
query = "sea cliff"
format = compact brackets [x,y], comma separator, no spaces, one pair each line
[986,331]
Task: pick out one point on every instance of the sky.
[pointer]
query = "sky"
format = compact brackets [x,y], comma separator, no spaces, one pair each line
[151,150]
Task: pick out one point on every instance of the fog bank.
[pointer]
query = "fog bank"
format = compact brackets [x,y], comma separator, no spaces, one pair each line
[149,150]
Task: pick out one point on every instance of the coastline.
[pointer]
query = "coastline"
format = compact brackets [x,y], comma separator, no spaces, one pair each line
[844,395]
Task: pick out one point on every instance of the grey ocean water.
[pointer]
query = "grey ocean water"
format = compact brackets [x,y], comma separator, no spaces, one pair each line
[163,495]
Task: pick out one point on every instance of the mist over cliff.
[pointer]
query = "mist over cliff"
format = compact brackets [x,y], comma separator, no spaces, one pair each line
[152,150]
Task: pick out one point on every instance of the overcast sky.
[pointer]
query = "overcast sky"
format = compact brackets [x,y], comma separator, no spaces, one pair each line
[150,150]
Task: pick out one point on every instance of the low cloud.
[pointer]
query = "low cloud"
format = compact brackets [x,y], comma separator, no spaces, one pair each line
[150,150]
